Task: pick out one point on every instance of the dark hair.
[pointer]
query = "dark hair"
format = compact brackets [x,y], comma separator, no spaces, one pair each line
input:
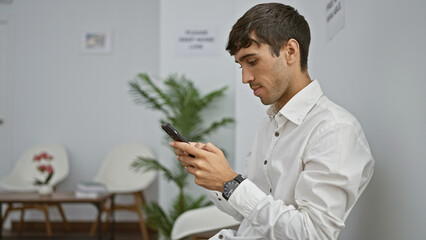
[273,24]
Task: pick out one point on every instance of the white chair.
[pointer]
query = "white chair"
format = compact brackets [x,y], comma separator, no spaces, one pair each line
[119,178]
[201,223]
[24,173]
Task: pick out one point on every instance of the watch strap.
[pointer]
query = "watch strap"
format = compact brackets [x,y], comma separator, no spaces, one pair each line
[239,178]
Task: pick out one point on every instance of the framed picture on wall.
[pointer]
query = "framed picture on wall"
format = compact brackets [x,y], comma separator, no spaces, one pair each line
[96,41]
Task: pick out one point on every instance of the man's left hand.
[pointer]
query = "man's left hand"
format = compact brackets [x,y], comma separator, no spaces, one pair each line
[209,165]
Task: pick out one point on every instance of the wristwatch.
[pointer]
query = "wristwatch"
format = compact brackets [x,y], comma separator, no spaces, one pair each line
[230,186]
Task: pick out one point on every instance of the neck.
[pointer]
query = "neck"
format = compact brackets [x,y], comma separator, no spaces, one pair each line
[300,81]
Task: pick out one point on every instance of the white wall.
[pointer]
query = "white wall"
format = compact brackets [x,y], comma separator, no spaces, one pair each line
[374,67]
[382,57]
[81,101]
[6,93]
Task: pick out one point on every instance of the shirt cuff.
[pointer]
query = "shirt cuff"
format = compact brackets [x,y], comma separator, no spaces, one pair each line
[223,205]
[246,197]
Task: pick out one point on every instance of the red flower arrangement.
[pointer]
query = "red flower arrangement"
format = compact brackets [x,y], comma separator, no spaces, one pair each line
[43,159]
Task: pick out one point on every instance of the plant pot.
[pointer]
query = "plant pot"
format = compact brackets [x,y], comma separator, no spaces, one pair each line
[45,189]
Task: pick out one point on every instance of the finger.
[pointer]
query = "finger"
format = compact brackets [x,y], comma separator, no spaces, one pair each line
[187,161]
[199,145]
[184,164]
[190,169]
[188,148]
[212,148]
[179,152]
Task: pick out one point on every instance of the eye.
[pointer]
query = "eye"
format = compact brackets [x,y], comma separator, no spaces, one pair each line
[252,62]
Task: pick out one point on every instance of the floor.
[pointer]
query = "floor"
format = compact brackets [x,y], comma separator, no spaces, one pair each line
[80,231]
[72,236]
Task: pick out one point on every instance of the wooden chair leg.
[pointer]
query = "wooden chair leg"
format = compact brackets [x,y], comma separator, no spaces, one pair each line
[64,219]
[21,220]
[108,217]
[43,208]
[47,220]
[94,227]
[9,207]
[136,207]
[139,200]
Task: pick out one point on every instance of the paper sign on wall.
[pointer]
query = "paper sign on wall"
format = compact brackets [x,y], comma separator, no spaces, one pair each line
[335,17]
[197,42]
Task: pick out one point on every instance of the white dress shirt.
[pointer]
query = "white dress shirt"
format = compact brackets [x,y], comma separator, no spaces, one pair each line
[309,164]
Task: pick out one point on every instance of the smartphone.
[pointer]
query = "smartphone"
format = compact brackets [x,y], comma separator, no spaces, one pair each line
[174,133]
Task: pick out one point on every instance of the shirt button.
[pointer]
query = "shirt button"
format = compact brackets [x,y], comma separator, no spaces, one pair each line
[277,134]
[270,190]
[265,162]
[221,236]
[220,199]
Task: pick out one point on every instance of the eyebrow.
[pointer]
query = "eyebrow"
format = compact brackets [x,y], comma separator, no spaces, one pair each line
[244,57]
[249,54]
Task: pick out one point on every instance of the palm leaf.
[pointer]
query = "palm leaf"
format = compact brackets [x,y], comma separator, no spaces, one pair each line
[184,202]
[207,99]
[213,127]
[144,97]
[160,94]
[180,176]
[148,164]
[158,219]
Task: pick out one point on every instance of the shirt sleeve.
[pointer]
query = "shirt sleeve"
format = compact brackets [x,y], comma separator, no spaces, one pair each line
[337,168]
[223,205]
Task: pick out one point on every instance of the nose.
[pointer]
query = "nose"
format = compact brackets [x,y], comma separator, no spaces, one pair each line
[247,75]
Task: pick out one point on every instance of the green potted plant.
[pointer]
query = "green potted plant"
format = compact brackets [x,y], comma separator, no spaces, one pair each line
[182,105]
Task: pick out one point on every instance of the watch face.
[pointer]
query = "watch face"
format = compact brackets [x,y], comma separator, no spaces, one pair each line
[229,188]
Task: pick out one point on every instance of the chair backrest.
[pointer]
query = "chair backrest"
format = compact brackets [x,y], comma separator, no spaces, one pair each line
[201,220]
[25,171]
[116,172]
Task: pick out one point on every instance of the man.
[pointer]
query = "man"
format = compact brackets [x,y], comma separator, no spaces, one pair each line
[310,161]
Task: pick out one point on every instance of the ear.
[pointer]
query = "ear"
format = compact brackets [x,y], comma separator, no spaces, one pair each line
[292,52]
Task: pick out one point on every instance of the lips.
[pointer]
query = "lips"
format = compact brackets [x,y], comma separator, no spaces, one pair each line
[256,90]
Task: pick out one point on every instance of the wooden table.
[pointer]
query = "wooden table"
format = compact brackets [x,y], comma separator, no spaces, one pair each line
[59,198]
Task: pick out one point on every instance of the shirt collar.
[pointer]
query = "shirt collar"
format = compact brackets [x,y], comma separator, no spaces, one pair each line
[299,105]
